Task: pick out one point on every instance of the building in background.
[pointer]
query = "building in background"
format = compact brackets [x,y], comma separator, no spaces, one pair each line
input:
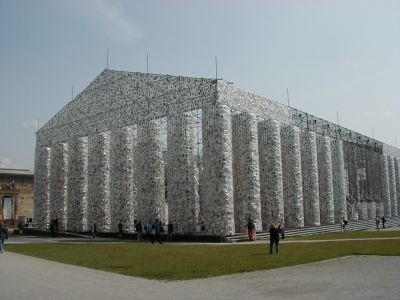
[16,199]
[196,151]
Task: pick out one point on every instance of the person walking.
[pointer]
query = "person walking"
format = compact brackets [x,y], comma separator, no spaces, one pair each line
[139,230]
[3,236]
[53,228]
[344,224]
[170,231]
[120,226]
[383,222]
[377,223]
[250,226]
[90,229]
[162,231]
[6,229]
[94,230]
[156,228]
[273,238]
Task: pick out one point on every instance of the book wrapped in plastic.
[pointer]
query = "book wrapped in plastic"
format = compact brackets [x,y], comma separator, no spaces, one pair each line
[183,206]
[309,171]
[122,185]
[149,173]
[246,174]
[59,181]
[42,187]
[271,186]
[292,179]
[325,180]
[217,188]
[338,180]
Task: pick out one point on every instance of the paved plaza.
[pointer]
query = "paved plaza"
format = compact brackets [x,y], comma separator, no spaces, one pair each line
[361,277]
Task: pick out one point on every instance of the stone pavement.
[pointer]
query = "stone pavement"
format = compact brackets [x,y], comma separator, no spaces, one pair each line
[361,277]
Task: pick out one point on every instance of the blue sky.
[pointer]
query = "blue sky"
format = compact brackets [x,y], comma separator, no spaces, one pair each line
[333,56]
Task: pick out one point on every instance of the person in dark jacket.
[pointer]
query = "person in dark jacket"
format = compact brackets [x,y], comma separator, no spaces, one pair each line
[170,231]
[120,231]
[139,230]
[3,235]
[273,238]
[156,228]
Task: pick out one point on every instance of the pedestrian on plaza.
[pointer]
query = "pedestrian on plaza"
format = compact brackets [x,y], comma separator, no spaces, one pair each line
[156,229]
[281,228]
[56,223]
[170,231]
[6,229]
[139,230]
[60,225]
[90,229]
[377,223]
[162,231]
[94,230]
[273,238]
[53,228]
[383,222]
[344,224]
[250,227]
[3,235]
[120,229]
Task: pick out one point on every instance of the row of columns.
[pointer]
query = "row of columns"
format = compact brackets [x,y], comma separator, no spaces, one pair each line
[250,168]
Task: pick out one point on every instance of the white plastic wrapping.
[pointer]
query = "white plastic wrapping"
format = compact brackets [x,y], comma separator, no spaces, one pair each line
[309,171]
[271,185]
[397,178]
[149,173]
[59,181]
[98,209]
[246,173]
[385,186]
[42,186]
[182,183]
[392,186]
[338,180]
[325,180]
[217,181]
[123,190]
[116,99]
[292,179]
[246,101]
[77,184]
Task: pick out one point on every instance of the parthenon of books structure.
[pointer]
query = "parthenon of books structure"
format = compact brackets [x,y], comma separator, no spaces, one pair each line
[146,146]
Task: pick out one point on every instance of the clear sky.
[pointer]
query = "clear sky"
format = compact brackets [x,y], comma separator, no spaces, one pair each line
[333,56]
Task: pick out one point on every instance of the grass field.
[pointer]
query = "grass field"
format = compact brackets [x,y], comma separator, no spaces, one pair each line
[180,262]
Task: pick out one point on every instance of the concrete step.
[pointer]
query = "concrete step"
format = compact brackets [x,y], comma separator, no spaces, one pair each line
[351,226]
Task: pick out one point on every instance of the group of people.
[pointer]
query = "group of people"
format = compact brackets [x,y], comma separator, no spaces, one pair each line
[152,230]
[92,229]
[10,186]
[56,226]
[377,220]
[274,232]
[3,235]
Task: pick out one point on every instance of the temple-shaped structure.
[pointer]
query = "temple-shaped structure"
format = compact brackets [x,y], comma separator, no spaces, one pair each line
[193,150]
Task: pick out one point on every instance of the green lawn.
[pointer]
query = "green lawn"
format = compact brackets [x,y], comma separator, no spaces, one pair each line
[179,262]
